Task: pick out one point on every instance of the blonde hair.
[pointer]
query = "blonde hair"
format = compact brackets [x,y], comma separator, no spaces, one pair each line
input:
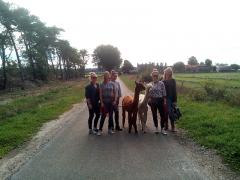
[91,74]
[168,72]
[106,73]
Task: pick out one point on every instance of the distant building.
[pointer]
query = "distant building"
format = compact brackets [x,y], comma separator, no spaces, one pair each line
[223,68]
[198,68]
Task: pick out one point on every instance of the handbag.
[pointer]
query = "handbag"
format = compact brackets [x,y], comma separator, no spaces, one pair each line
[175,113]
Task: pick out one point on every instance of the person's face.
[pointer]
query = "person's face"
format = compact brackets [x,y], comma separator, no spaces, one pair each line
[94,79]
[155,77]
[106,77]
[168,75]
[114,77]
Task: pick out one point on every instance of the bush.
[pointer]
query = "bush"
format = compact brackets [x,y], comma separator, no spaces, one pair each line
[233,97]
[213,91]
[199,95]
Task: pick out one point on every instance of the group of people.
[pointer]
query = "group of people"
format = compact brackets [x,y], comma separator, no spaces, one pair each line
[103,99]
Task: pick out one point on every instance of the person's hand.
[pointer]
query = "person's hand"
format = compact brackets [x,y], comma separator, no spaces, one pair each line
[102,105]
[114,103]
[164,101]
[175,103]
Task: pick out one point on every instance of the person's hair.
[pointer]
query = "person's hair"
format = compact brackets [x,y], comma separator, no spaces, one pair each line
[168,72]
[113,71]
[91,74]
[106,73]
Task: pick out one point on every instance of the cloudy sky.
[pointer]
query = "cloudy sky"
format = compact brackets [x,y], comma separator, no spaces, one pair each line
[148,30]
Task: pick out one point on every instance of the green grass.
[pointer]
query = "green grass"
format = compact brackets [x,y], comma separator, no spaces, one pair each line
[214,124]
[228,80]
[22,118]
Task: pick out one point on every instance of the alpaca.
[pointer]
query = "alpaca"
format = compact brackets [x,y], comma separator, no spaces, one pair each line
[143,108]
[130,104]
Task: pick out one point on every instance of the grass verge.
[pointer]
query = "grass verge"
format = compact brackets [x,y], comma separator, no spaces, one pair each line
[21,118]
[213,124]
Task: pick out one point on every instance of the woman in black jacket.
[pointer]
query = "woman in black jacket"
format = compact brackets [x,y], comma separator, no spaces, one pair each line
[93,102]
[171,90]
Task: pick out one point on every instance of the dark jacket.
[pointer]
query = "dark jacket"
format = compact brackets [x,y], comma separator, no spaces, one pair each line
[171,89]
[92,93]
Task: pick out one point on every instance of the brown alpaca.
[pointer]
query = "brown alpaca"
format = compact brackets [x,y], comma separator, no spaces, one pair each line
[130,104]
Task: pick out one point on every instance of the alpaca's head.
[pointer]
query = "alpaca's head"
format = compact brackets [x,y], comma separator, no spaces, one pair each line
[149,86]
[139,86]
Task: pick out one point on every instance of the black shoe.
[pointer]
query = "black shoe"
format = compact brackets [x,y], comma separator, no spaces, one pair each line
[118,129]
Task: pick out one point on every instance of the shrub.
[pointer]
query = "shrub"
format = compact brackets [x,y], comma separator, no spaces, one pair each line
[233,97]
[199,95]
[213,91]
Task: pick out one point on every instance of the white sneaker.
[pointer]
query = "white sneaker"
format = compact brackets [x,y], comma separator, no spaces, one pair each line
[95,131]
[110,131]
[163,132]
[99,133]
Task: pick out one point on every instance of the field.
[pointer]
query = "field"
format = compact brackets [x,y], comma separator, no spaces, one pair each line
[227,80]
[21,116]
[213,123]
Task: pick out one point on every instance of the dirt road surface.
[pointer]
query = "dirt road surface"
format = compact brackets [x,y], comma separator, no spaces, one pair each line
[73,154]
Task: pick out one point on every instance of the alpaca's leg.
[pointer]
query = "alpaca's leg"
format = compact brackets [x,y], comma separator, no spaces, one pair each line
[123,116]
[129,122]
[134,121]
[144,121]
[140,116]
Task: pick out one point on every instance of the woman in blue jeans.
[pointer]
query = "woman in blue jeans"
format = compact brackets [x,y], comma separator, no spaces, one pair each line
[171,90]
[108,101]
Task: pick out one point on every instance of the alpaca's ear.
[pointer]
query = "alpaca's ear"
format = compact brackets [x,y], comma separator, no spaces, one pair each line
[136,82]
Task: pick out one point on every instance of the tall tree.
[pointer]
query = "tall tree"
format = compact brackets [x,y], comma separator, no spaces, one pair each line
[208,62]
[127,66]
[192,60]
[7,20]
[107,57]
[179,67]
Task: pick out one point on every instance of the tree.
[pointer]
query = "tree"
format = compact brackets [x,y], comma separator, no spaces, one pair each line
[202,63]
[107,57]
[192,60]
[39,52]
[127,66]
[179,67]
[235,67]
[208,62]
[7,20]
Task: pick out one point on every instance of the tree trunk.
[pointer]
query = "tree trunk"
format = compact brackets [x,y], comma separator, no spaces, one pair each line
[54,71]
[65,69]
[76,72]
[18,58]
[60,65]
[4,66]
[30,58]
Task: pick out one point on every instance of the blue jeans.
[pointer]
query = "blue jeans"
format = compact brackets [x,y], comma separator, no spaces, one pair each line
[108,108]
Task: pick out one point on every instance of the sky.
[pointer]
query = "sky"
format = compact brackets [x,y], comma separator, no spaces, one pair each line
[148,30]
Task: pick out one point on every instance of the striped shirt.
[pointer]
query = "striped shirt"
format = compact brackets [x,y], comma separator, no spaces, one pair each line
[158,90]
[107,91]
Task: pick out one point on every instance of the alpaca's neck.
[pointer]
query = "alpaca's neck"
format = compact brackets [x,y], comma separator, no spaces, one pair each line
[146,96]
[136,97]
